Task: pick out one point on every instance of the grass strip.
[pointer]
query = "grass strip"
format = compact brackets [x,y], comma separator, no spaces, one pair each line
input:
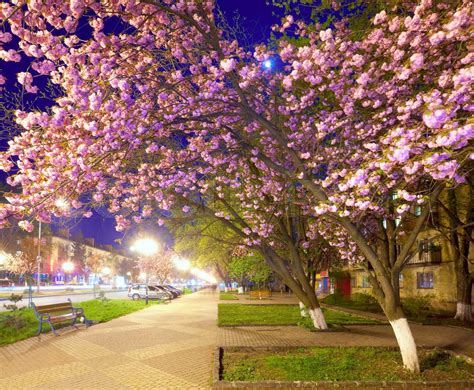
[232,314]
[341,364]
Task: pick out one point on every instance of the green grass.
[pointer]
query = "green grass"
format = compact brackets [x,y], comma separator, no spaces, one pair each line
[227,297]
[338,364]
[95,310]
[187,290]
[416,309]
[362,302]
[231,314]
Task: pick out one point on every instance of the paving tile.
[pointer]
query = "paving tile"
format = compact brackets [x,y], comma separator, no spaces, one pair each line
[114,355]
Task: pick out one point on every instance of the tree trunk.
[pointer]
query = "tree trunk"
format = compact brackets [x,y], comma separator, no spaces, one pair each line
[406,342]
[404,336]
[464,298]
[299,285]
[303,310]
[317,316]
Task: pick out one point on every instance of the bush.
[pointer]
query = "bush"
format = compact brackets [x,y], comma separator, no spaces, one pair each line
[102,296]
[69,289]
[364,298]
[417,307]
[12,321]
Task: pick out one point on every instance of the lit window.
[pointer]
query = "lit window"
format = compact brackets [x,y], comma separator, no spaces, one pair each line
[365,282]
[424,280]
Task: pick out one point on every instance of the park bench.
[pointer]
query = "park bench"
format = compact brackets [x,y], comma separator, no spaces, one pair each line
[260,294]
[58,312]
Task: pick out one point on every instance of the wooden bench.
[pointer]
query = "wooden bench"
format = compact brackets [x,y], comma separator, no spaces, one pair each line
[260,294]
[58,312]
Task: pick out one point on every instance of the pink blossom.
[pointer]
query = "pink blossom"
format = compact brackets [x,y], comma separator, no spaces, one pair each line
[228,65]
[26,225]
[417,61]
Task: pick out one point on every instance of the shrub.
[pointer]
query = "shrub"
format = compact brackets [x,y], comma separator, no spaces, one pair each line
[102,296]
[12,321]
[364,298]
[69,289]
[417,306]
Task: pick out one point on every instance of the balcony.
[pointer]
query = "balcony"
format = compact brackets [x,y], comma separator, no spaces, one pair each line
[432,256]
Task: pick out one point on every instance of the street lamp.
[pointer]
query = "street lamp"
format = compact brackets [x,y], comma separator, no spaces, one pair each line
[68,267]
[145,246]
[181,263]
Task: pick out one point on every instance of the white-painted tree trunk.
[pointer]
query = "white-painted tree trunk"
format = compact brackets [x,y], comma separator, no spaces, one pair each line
[318,318]
[407,345]
[303,310]
[463,312]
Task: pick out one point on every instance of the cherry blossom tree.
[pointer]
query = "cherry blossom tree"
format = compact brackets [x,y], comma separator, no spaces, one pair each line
[158,266]
[363,129]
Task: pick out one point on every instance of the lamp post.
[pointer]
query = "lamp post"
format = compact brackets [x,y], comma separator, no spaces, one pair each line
[38,259]
[145,247]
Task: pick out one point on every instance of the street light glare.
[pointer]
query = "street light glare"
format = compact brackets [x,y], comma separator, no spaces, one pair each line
[68,266]
[3,257]
[145,246]
[61,203]
[106,270]
[182,264]
[267,64]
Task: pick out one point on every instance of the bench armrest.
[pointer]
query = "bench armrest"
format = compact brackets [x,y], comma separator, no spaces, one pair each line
[78,310]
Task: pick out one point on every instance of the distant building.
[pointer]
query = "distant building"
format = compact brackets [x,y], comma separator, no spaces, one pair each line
[429,273]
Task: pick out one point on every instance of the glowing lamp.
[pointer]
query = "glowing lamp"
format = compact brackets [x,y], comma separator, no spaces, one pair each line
[68,266]
[145,246]
[182,264]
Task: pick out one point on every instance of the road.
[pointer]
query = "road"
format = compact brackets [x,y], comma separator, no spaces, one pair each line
[62,297]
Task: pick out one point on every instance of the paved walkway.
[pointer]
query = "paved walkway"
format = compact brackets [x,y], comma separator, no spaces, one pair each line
[162,347]
[454,339]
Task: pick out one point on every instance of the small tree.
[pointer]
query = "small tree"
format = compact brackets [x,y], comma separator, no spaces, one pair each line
[158,266]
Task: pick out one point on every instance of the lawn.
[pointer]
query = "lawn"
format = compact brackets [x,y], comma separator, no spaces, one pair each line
[227,297]
[363,302]
[416,309]
[96,310]
[234,314]
[338,364]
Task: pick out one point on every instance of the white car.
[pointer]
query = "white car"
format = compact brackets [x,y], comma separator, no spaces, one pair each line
[140,291]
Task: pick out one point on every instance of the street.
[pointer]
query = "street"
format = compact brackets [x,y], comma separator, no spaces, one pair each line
[44,300]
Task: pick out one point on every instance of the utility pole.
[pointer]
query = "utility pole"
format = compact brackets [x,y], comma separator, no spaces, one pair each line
[38,259]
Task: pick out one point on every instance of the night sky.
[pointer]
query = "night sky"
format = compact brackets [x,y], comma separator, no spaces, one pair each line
[255,18]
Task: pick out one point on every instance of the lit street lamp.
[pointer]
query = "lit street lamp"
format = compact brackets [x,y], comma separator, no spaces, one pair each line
[145,247]
[181,263]
[68,267]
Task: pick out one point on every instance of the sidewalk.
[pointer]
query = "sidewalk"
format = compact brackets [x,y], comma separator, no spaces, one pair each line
[164,346]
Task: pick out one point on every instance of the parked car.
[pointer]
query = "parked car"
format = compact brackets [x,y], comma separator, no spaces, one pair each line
[6,283]
[174,289]
[139,291]
[171,293]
